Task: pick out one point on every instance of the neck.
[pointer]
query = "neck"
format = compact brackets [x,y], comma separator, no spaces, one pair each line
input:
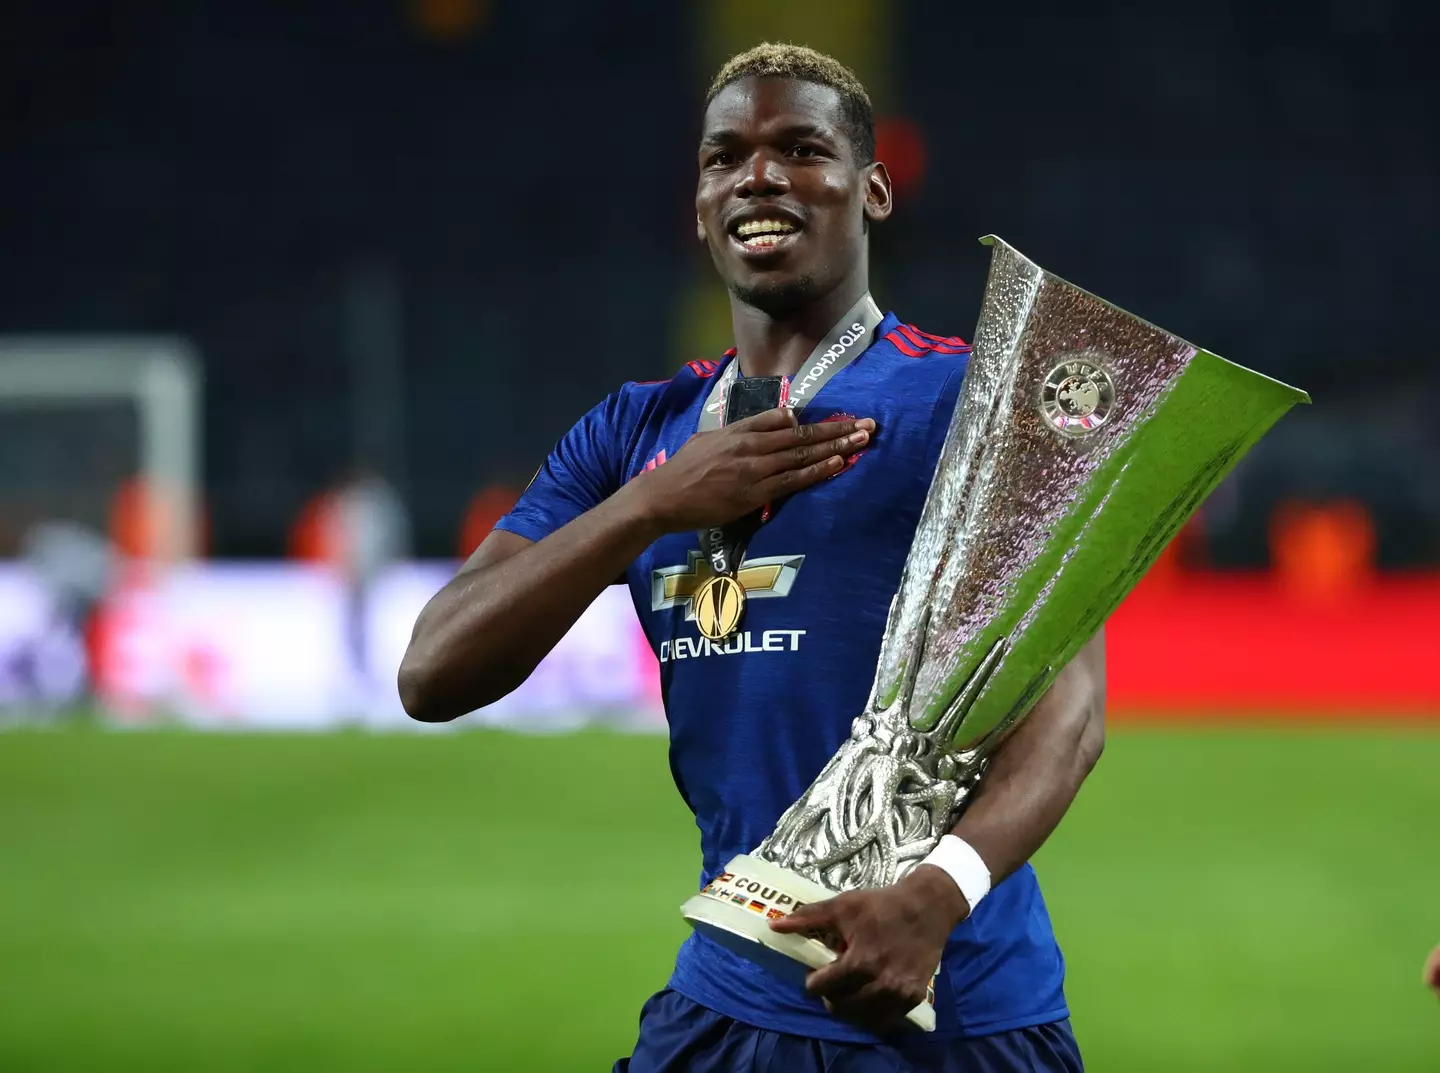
[778,344]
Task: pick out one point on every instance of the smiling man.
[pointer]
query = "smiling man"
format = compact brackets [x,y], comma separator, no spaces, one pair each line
[788,190]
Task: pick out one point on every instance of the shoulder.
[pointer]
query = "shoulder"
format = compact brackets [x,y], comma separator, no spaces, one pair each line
[638,410]
[920,362]
[697,371]
[910,342]
[643,399]
[920,373]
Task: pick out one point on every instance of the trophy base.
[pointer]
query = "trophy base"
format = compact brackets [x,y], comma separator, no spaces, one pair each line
[736,908]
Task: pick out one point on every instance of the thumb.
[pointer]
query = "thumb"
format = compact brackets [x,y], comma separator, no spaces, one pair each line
[773,420]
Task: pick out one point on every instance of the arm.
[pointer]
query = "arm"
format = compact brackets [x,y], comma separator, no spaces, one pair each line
[482,635]
[1033,776]
[894,937]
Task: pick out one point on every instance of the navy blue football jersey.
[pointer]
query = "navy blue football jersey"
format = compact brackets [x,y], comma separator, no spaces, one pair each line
[753,719]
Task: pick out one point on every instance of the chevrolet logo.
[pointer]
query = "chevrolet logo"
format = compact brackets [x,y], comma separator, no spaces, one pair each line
[672,586]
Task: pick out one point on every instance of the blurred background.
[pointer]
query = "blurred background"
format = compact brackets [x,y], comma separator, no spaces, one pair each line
[294,297]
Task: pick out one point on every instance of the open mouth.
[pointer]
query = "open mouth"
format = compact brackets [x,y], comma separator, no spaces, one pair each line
[765,234]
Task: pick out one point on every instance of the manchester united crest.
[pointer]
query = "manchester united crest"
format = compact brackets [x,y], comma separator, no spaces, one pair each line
[1078,395]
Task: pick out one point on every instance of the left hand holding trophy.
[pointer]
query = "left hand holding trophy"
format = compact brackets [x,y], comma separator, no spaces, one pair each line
[890,939]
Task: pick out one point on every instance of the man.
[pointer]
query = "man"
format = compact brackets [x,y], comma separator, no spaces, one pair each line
[787,192]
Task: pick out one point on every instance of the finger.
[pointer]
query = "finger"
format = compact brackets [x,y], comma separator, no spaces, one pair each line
[1432,969]
[813,916]
[815,432]
[806,454]
[791,481]
[780,419]
[840,979]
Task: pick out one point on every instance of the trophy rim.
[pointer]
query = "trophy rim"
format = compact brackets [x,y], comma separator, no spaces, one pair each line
[1301,397]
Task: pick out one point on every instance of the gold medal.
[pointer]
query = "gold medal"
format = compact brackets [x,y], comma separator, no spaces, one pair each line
[718,607]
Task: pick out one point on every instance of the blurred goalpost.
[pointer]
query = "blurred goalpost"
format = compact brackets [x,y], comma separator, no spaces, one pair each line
[81,416]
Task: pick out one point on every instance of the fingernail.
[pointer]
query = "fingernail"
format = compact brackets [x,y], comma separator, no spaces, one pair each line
[867,424]
[855,439]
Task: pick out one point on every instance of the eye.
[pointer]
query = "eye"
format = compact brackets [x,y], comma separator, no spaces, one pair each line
[803,152]
[721,158]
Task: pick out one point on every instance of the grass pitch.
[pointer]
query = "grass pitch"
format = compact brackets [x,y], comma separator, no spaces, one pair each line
[1228,899]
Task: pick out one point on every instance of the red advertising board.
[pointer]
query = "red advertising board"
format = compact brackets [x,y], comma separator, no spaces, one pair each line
[1248,645]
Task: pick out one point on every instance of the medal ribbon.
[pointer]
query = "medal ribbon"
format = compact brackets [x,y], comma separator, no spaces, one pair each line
[724,545]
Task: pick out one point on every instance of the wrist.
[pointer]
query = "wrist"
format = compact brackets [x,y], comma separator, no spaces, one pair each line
[644,511]
[938,891]
[955,866]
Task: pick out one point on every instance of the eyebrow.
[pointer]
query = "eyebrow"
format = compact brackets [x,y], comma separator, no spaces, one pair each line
[727,136]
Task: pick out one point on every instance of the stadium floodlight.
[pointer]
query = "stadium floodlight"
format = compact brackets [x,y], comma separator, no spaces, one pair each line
[78,415]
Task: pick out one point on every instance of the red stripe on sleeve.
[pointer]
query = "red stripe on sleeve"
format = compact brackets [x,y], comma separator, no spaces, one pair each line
[948,340]
[703,369]
[926,341]
[902,344]
[914,336]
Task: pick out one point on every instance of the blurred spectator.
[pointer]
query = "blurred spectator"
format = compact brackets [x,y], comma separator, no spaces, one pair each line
[358,529]
[1323,550]
[370,530]
[75,567]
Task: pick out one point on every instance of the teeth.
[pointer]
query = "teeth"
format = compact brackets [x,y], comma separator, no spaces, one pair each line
[756,242]
[765,227]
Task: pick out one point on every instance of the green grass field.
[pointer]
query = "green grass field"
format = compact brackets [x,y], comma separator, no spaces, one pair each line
[1227,899]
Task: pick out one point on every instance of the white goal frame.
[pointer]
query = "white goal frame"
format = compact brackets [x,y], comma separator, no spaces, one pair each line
[160,375]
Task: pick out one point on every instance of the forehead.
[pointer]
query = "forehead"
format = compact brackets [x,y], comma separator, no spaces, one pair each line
[753,106]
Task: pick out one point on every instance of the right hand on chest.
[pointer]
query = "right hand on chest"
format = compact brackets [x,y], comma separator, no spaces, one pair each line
[725,474]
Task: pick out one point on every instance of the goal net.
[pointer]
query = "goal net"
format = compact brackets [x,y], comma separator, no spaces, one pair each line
[90,430]
[84,420]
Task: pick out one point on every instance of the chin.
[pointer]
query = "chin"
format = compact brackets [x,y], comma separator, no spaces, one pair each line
[777,296]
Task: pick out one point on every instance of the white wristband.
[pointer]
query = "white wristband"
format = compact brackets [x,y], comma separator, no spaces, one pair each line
[958,859]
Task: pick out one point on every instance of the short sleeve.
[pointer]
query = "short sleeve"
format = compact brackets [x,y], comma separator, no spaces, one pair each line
[580,473]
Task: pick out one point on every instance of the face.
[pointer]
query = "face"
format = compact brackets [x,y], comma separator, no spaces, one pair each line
[782,200]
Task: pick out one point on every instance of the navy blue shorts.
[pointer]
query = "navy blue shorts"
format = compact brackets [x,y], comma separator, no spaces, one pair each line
[680,1036]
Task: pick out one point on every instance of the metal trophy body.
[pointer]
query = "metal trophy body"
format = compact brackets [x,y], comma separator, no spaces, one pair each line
[1083,439]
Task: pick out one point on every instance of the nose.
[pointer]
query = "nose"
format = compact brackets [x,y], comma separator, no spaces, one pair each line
[763,176]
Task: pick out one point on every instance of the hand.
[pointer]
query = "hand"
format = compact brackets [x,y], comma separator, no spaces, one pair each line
[889,939]
[725,474]
[1432,970]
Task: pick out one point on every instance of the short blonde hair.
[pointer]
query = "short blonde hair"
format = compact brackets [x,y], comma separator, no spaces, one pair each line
[769,60]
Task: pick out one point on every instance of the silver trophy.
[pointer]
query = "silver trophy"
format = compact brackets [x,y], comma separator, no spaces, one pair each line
[1083,439]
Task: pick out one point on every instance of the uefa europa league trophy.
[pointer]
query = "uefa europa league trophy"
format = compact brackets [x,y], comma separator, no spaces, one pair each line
[1083,439]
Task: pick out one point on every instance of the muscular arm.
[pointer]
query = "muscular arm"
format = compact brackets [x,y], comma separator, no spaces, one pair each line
[484,632]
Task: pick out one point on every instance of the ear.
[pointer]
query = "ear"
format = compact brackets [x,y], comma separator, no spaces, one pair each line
[879,198]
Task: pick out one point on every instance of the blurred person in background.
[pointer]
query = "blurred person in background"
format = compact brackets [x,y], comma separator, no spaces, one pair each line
[366,529]
[1432,971]
[75,566]
[787,192]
